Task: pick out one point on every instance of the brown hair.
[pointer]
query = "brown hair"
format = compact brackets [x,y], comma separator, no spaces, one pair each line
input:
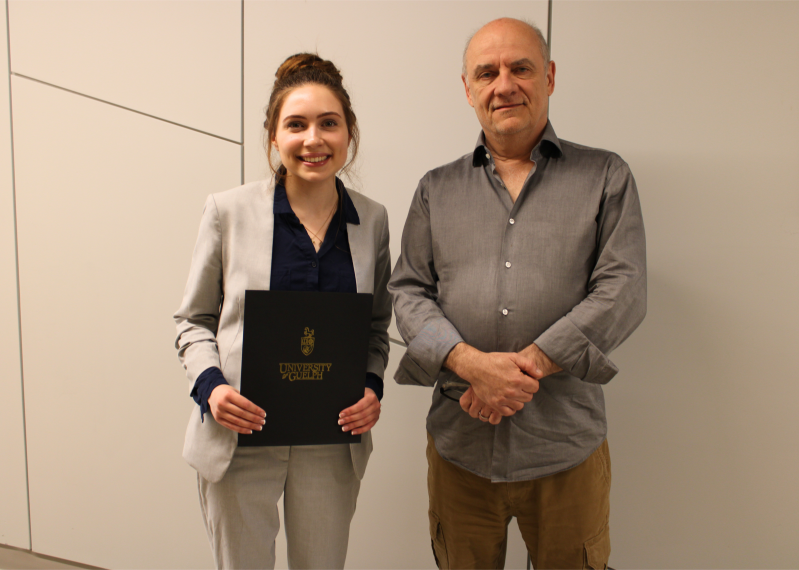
[298,70]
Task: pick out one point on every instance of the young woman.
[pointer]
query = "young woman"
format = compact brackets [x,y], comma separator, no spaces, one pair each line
[302,230]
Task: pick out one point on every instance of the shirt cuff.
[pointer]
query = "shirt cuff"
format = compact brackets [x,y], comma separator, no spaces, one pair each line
[570,349]
[375,382]
[209,379]
[427,352]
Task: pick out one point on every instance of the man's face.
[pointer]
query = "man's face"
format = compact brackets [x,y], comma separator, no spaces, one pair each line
[508,83]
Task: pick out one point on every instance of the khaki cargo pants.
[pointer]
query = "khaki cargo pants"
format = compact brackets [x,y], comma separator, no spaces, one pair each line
[563,518]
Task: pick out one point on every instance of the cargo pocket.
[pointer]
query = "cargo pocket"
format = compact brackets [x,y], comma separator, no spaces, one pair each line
[597,551]
[437,542]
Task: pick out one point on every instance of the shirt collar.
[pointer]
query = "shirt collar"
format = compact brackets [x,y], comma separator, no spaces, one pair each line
[548,147]
[350,213]
[282,206]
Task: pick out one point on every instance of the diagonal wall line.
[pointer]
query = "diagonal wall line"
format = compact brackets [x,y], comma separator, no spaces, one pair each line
[36,559]
[79,94]
[397,342]
[16,263]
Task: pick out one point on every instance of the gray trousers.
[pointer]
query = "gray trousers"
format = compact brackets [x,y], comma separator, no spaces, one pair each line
[241,514]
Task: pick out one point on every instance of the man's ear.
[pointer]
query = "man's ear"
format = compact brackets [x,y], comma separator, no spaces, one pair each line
[468,94]
[551,78]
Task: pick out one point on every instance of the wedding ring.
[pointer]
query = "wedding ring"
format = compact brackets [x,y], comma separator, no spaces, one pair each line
[481,416]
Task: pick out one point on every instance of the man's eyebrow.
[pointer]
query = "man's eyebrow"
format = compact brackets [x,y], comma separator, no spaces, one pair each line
[488,66]
[523,61]
[287,117]
[483,67]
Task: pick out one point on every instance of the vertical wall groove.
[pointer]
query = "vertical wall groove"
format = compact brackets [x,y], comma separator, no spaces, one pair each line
[16,263]
[549,45]
[242,91]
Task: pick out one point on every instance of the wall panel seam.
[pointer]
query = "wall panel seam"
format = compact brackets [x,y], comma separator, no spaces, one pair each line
[242,92]
[79,94]
[16,264]
[529,561]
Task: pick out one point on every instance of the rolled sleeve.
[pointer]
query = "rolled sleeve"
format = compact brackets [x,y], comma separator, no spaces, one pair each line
[426,353]
[566,345]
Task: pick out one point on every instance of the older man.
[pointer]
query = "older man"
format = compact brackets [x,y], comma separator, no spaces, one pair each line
[522,268]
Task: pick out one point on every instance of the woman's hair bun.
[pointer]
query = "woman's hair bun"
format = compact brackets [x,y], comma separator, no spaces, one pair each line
[306,62]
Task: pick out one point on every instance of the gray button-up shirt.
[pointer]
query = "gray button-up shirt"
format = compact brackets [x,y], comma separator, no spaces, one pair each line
[564,267]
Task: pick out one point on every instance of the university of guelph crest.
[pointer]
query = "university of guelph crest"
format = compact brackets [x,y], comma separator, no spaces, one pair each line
[307,342]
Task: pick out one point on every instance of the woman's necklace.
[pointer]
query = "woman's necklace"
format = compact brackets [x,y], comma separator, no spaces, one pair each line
[315,239]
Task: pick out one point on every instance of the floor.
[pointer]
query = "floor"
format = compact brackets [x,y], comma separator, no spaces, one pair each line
[17,559]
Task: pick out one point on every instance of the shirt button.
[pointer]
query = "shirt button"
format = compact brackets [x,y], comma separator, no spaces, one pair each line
[507,264]
[505,312]
[313,264]
[488,156]
[512,221]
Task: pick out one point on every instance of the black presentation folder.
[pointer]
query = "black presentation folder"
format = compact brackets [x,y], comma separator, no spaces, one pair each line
[303,362]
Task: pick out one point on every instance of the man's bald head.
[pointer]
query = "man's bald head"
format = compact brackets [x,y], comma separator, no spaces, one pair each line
[508,79]
[521,25]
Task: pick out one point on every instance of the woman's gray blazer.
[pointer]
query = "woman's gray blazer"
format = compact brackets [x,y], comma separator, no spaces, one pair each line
[234,253]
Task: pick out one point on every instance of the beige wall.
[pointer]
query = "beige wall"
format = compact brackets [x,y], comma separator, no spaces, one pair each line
[700,99]
[108,203]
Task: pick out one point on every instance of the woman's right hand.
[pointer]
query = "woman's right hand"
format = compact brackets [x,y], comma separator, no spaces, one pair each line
[235,412]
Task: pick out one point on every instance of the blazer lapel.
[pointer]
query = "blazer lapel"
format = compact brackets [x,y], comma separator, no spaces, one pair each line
[266,227]
[361,253]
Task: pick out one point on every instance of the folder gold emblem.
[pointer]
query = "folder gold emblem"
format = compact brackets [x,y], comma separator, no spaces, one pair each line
[307,342]
[305,370]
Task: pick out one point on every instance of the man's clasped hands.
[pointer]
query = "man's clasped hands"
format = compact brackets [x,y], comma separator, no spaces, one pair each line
[501,382]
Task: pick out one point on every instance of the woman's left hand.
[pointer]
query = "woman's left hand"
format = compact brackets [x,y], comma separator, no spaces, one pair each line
[361,417]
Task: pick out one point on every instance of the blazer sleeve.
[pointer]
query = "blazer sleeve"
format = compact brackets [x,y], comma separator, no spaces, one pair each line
[197,319]
[381,307]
